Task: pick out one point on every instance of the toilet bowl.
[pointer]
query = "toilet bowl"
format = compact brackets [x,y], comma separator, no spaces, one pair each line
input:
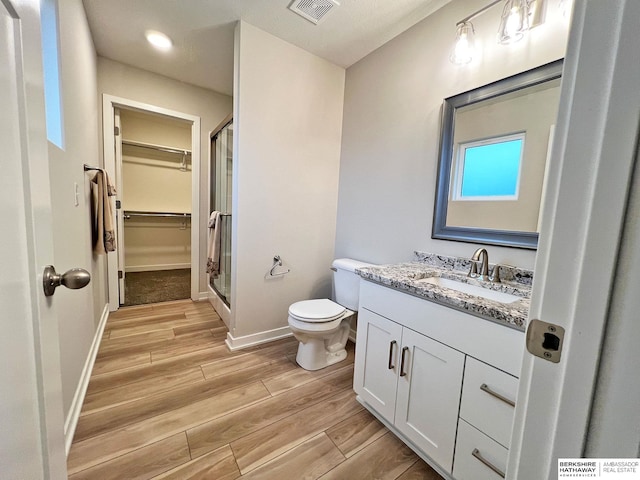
[322,326]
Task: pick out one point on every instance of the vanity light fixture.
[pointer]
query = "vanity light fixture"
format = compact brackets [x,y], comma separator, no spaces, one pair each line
[158,40]
[514,23]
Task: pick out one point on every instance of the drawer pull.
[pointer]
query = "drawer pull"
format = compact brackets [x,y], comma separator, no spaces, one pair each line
[402,372]
[476,453]
[391,365]
[485,388]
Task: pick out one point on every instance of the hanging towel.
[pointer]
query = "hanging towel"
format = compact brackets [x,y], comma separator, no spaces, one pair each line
[103,231]
[213,252]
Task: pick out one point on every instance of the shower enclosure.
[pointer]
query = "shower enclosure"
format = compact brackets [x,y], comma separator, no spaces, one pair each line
[220,200]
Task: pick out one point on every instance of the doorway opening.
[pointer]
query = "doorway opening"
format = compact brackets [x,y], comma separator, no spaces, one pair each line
[156,206]
[153,156]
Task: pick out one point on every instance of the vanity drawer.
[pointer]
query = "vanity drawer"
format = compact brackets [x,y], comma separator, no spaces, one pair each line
[477,456]
[486,393]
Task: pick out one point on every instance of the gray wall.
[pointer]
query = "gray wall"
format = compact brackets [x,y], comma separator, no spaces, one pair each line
[391,130]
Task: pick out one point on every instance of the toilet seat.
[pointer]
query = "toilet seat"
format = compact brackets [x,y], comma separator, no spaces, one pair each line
[316,311]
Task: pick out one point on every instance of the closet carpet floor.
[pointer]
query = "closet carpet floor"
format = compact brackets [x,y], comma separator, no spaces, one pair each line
[167,400]
[141,288]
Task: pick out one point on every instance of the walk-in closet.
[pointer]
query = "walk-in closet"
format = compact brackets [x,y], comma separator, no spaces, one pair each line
[156,204]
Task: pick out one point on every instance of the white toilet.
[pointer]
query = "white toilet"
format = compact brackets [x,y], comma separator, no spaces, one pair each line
[322,326]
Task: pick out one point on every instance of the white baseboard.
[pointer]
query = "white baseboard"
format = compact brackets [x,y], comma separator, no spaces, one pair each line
[237,343]
[354,328]
[76,405]
[202,296]
[352,335]
[153,268]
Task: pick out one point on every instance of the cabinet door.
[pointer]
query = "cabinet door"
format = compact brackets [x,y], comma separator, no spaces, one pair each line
[377,362]
[429,395]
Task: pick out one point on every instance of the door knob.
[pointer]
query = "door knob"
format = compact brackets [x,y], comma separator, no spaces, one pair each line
[74,278]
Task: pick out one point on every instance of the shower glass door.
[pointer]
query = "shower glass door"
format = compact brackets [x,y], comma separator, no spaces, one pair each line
[220,200]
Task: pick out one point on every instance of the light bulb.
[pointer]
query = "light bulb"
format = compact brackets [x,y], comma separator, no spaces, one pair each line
[464,48]
[514,21]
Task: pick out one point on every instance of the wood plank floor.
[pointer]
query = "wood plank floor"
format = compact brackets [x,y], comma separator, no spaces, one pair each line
[167,400]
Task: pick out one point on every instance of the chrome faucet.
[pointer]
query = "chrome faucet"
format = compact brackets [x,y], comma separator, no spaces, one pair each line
[482,255]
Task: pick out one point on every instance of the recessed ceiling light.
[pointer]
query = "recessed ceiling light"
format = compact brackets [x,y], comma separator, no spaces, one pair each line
[158,39]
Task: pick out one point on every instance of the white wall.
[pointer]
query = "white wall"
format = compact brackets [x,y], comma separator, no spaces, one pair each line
[152,179]
[155,129]
[134,84]
[288,122]
[79,310]
[153,185]
[392,111]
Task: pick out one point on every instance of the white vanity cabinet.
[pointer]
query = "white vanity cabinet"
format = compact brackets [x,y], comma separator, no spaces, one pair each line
[439,378]
[414,384]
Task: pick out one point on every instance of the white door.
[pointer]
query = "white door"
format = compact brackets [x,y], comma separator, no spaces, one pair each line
[429,395]
[577,266]
[376,374]
[31,419]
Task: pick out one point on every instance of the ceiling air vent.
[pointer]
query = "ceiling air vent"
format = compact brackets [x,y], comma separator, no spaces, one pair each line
[313,10]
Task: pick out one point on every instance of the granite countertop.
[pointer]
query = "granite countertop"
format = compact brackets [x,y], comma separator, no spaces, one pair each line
[409,278]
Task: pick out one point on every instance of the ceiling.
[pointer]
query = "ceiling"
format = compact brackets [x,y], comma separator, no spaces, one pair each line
[202,32]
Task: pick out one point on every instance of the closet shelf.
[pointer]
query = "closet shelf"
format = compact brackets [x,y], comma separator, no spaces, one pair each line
[132,213]
[161,148]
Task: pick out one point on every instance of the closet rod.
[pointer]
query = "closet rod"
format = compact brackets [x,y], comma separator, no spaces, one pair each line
[133,143]
[129,213]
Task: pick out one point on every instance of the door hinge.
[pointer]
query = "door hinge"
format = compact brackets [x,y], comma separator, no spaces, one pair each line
[116,131]
[545,340]
[120,274]
[118,205]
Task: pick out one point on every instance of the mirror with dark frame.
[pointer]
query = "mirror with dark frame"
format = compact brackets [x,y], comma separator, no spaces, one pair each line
[494,146]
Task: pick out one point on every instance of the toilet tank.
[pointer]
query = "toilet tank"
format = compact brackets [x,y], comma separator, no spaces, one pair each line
[346,282]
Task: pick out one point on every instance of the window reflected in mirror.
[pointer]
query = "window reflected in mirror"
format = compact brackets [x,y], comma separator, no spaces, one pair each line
[495,144]
[488,170]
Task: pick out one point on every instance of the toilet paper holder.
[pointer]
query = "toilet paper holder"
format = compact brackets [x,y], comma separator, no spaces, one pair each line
[277,262]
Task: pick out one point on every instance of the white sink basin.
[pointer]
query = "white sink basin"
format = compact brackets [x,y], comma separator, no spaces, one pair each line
[471,289]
